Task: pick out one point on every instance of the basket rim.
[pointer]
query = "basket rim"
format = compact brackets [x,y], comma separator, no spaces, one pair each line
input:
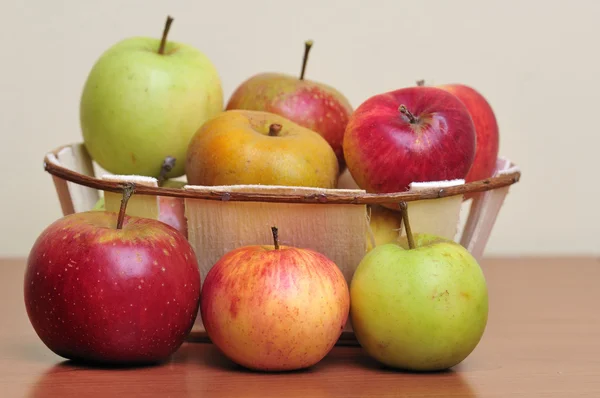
[328,196]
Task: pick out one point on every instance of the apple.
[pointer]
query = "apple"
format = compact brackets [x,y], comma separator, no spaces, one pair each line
[421,307]
[413,134]
[486,129]
[384,225]
[143,100]
[309,103]
[255,147]
[274,307]
[107,288]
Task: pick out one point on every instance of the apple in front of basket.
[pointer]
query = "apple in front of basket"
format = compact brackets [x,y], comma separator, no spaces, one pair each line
[274,307]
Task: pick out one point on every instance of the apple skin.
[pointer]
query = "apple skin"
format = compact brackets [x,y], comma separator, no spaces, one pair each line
[97,294]
[138,106]
[423,309]
[385,224]
[486,128]
[235,148]
[310,104]
[385,152]
[274,310]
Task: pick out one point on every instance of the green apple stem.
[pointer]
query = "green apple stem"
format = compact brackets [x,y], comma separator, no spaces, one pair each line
[404,110]
[274,129]
[307,46]
[166,167]
[275,233]
[127,192]
[163,41]
[421,83]
[409,235]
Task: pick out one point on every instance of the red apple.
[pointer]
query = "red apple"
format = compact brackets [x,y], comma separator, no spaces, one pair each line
[310,104]
[414,134]
[274,308]
[486,128]
[101,290]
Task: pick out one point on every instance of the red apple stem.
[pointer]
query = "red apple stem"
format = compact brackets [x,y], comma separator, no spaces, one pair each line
[421,82]
[274,129]
[166,168]
[307,46]
[404,110]
[275,233]
[163,41]
[409,235]
[127,192]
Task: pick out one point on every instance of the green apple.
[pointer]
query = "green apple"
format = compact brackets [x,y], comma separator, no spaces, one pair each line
[421,307]
[143,100]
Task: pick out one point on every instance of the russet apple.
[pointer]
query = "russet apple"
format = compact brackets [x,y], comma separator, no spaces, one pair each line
[486,128]
[107,288]
[311,104]
[274,307]
[143,100]
[414,134]
[255,147]
[419,305]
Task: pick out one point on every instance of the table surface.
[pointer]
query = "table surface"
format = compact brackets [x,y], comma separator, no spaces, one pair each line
[542,340]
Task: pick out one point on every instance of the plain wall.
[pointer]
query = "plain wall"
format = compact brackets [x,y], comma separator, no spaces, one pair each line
[536,61]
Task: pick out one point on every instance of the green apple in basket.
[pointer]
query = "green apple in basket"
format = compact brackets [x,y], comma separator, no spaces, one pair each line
[143,100]
[419,305]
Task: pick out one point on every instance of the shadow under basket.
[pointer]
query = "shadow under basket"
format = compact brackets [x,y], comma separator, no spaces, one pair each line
[334,222]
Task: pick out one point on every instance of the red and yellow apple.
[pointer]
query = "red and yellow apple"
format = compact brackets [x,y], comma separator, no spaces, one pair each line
[274,308]
[102,293]
[310,104]
[414,134]
[486,128]
[255,147]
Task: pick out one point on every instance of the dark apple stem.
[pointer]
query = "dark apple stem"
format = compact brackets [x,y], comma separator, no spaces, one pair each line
[127,192]
[275,233]
[421,83]
[274,129]
[307,45]
[165,169]
[404,110]
[409,235]
[163,41]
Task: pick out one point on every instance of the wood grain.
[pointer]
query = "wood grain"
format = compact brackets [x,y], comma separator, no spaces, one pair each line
[541,341]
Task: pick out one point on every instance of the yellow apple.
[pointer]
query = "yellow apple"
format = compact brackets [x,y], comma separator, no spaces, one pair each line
[384,225]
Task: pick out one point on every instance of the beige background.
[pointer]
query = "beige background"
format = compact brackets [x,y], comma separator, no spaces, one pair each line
[537,62]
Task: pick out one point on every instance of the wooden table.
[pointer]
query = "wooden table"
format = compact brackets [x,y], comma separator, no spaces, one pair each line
[542,340]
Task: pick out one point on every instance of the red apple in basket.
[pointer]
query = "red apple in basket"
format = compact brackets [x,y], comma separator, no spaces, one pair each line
[110,288]
[486,128]
[413,134]
[274,308]
[310,104]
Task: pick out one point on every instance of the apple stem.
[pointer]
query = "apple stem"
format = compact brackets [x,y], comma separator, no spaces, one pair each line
[166,167]
[404,110]
[421,82]
[274,129]
[127,192]
[307,46]
[163,41]
[275,233]
[409,235]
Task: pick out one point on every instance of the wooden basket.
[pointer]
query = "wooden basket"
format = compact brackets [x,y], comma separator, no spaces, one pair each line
[334,222]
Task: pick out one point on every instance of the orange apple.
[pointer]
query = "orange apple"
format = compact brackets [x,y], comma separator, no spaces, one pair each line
[255,147]
[274,308]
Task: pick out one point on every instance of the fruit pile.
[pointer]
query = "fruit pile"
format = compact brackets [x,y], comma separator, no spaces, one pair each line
[105,286]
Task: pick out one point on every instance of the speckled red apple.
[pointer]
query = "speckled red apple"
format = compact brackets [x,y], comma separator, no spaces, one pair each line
[101,294]
[274,308]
